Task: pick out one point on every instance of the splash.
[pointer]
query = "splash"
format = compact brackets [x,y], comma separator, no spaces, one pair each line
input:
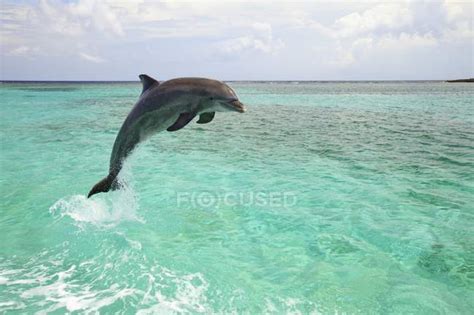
[105,210]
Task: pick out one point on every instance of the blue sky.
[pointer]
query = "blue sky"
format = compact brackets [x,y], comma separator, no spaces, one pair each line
[232,40]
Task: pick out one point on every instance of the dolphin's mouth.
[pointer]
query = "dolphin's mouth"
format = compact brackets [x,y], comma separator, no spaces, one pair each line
[236,105]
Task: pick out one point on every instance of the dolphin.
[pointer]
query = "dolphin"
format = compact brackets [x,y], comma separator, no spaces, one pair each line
[170,106]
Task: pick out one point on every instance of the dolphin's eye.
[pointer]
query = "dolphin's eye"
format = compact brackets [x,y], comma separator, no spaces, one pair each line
[211,98]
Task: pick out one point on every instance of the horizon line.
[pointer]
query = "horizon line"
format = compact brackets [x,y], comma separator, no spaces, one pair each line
[230,80]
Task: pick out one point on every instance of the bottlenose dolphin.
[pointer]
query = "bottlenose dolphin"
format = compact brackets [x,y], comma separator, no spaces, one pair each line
[170,106]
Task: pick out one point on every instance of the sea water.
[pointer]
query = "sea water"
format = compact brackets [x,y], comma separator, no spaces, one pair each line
[324,197]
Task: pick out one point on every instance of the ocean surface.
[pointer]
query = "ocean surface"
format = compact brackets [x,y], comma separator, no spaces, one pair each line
[324,197]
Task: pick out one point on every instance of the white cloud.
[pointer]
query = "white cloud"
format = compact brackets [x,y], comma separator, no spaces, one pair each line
[394,27]
[339,57]
[391,45]
[386,16]
[460,21]
[458,10]
[91,58]
[364,48]
[21,51]
[75,19]
[260,40]
[407,41]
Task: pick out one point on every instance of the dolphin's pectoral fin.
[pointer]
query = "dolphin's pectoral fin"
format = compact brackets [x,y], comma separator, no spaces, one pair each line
[147,82]
[205,118]
[182,121]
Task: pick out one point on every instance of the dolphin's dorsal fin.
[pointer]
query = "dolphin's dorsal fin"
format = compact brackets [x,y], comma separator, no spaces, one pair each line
[147,82]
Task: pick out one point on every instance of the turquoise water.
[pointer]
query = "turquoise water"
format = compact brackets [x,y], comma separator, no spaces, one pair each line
[323,197]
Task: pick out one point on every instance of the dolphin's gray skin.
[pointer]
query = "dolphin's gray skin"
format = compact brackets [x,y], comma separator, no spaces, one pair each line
[169,105]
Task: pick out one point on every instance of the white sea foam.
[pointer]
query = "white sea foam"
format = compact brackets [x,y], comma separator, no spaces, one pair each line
[64,293]
[167,291]
[189,297]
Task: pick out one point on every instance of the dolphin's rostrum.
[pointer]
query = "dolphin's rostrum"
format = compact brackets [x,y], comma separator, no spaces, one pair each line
[169,105]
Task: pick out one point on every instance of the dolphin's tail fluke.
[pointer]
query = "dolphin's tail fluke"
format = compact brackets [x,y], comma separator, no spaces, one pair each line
[104,185]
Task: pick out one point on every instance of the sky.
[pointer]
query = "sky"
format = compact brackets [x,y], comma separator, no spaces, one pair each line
[236,40]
